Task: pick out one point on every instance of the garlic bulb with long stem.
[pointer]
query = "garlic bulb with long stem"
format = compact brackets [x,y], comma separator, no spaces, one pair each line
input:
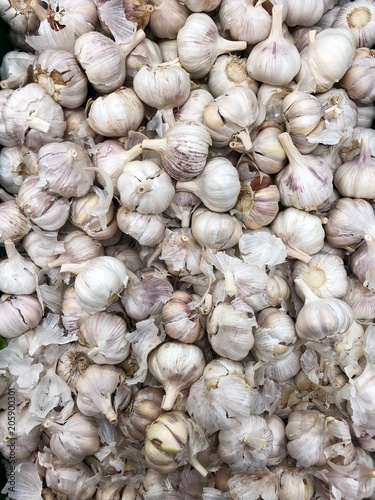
[176,366]
[99,281]
[183,150]
[18,274]
[263,63]
[218,186]
[199,44]
[164,86]
[96,389]
[306,181]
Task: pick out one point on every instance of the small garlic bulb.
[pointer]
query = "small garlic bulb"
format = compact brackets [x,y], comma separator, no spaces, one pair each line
[183,150]
[201,6]
[302,113]
[164,86]
[227,72]
[181,320]
[115,114]
[75,439]
[247,446]
[19,314]
[13,168]
[320,318]
[176,366]
[218,186]
[95,391]
[14,224]
[193,107]
[18,274]
[147,229]
[359,18]
[146,53]
[298,15]
[267,152]
[145,187]
[99,281]
[199,44]
[42,246]
[264,62]
[357,81]
[362,262]
[65,168]
[77,247]
[103,334]
[325,274]
[214,230]
[167,18]
[279,442]
[15,442]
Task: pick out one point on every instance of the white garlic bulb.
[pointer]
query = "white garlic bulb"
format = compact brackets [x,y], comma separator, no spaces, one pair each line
[15,442]
[146,53]
[145,187]
[14,224]
[295,14]
[167,18]
[227,72]
[18,274]
[264,62]
[12,168]
[42,246]
[357,81]
[77,247]
[73,363]
[99,281]
[218,186]
[14,69]
[359,18]
[177,366]
[147,229]
[214,230]
[193,107]
[362,262]
[19,313]
[279,441]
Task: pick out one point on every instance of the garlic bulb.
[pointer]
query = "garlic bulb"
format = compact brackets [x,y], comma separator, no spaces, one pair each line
[320,318]
[14,69]
[199,44]
[65,168]
[302,113]
[20,17]
[14,224]
[219,231]
[99,281]
[77,247]
[326,59]
[42,246]
[14,441]
[193,107]
[325,274]
[359,18]
[306,181]
[115,114]
[244,20]
[18,274]
[183,150]
[263,63]
[279,441]
[19,313]
[73,440]
[357,81]
[13,169]
[296,15]
[218,186]
[181,320]
[147,229]
[77,129]
[5,138]
[146,53]
[301,232]
[362,262]
[72,364]
[230,331]
[164,86]
[103,334]
[247,446]
[267,152]
[58,72]
[31,110]
[353,178]
[176,366]
[227,72]
[167,18]
[145,187]
[96,389]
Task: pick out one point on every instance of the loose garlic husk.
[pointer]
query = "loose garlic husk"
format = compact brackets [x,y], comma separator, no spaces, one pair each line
[75,439]
[247,446]
[320,318]
[353,178]
[145,187]
[263,63]
[66,168]
[359,18]
[171,440]
[227,72]
[357,81]
[115,114]
[199,44]
[99,281]
[14,224]
[165,87]
[245,20]
[218,231]
[181,319]
[183,150]
[144,408]
[325,274]
[147,229]
[301,232]
[30,111]
[218,186]
[176,366]
[306,181]
[19,313]
[95,391]
[58,72]
[230,331]
[103,334]
[18,274]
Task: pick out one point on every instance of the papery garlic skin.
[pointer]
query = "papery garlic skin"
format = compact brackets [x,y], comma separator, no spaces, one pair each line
[99,282]
[177,366]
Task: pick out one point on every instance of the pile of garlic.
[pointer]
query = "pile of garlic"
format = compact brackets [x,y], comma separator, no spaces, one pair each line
[187,217]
